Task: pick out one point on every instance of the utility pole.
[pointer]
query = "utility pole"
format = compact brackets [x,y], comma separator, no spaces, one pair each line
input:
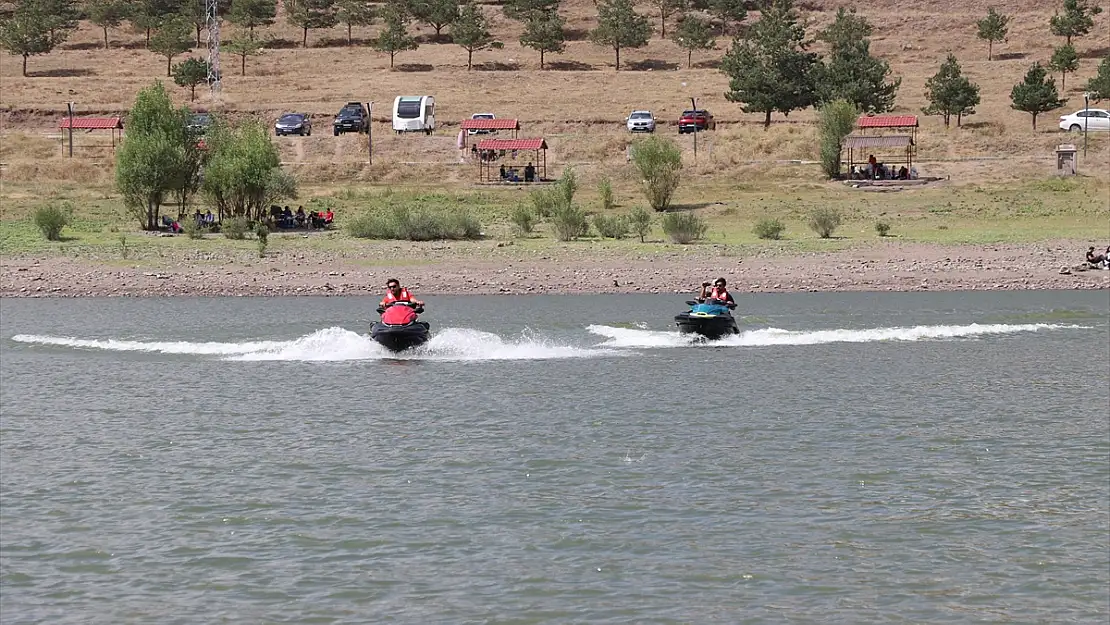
[1086,116]
[370,132]
[694,102]
[69,105]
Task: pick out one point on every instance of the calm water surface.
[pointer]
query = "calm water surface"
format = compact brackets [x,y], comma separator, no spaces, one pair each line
[850,458]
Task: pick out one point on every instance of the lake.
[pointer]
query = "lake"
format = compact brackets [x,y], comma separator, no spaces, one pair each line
[848,458]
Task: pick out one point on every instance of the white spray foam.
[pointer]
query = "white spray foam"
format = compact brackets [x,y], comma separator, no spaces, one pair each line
[339,344]
[623,337]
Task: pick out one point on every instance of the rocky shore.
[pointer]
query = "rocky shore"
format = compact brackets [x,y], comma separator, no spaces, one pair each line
[892,267]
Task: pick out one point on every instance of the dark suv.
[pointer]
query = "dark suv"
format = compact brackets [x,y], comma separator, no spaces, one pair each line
[696,121]
[351,118]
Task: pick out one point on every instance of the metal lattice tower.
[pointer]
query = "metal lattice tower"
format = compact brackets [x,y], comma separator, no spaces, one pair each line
[211,12]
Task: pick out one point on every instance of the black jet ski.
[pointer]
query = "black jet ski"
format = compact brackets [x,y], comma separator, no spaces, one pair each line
[711,319]
[399,328]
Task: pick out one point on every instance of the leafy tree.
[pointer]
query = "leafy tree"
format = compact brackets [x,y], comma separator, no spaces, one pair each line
[395,36]
[836,119]
[60,16]
[471,31]
[1036,94]
[251,13]
[239,176]
[148,15]
[307,14]
[171,39]
[1064,59]
[693,34]
[153,161]
[993,28]
[950,93]
[1099,86]
[659,162]
[770,70]
[619,26]
[190,73]
[435,13]
[847,30]
[244,47]
[355,13]
[544,33]
[26,34]
[852,73]
[106,14]
[1076,21]
[523,10]
[666,9]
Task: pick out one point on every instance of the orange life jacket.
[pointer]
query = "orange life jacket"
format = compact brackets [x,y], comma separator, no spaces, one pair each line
[720,293]
[389,298]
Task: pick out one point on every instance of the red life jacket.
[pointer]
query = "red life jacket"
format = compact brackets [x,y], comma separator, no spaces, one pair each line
[720,293]
[389,298]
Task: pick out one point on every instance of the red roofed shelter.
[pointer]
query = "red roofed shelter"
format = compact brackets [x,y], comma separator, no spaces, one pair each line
[904,123]
[872,138]
[493,150]
[491,124]
[114,124]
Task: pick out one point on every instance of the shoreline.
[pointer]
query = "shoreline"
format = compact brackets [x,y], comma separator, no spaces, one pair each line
[895,267]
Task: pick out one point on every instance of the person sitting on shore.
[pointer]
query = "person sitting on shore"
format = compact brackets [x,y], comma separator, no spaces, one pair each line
[719,293]
[1098,261]
[328,217]
[300,217]
[396,293]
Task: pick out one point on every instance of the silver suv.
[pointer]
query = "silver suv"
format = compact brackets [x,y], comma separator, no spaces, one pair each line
[640,121]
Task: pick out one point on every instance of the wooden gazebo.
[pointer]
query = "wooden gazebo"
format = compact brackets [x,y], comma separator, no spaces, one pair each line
[878,123]
[492,124]
[493,153]
[89,124]
[857,145]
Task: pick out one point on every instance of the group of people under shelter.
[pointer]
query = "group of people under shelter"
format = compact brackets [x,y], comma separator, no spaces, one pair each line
[510,174]
[874,170]
[287,219]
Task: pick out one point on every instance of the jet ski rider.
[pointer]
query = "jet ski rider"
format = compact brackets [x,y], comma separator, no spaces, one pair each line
[719,292]
[396,293]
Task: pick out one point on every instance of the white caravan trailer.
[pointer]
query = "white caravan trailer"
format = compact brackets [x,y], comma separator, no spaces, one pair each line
[413,113]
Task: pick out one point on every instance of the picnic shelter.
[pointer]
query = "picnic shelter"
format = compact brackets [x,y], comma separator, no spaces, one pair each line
[493,153]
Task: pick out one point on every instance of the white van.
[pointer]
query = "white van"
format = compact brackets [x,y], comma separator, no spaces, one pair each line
[412,113]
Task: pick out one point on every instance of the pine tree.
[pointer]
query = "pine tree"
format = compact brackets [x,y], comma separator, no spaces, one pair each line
[731,13]
[693,34]
[106,14]
[769,70]
[394,37]
[993,28]
[666,9]
[950,93]
[26,33]
[544,33]
[524,10]
[1036,94]
[309,14]
[171,39]
[435,13]
[354,13]
[251,13]
[1076,21]
[852,74]
[1064,60]
[244,47]
[1099,86]
[190,73]
[471,31]
[619,26]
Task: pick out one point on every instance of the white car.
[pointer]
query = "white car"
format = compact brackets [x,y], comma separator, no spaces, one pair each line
[476,131]
[1097,120]
[640,121]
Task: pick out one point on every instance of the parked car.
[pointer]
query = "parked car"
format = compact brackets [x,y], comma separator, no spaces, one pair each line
[695,121]
[640,121]
[293,124]
[1094,119]
[351,118]
[481,131]
[199,123]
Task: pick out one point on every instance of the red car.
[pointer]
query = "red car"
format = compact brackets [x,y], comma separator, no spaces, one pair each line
[694,121]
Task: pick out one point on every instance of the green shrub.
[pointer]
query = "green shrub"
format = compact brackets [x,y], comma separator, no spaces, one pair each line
[882,227]
[569,222]
[545,201]
[567,185]
[605,191]
[192,228]
[639,222]
[835,121]
[684,227]
[659,162]
[124,251]
[235,228]
[611,226]
[769,229]
[262,233]
[51,217]
[824,221]
[524,220]
[426,223]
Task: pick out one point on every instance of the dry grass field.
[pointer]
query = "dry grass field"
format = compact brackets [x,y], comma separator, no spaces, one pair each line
[579,103]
